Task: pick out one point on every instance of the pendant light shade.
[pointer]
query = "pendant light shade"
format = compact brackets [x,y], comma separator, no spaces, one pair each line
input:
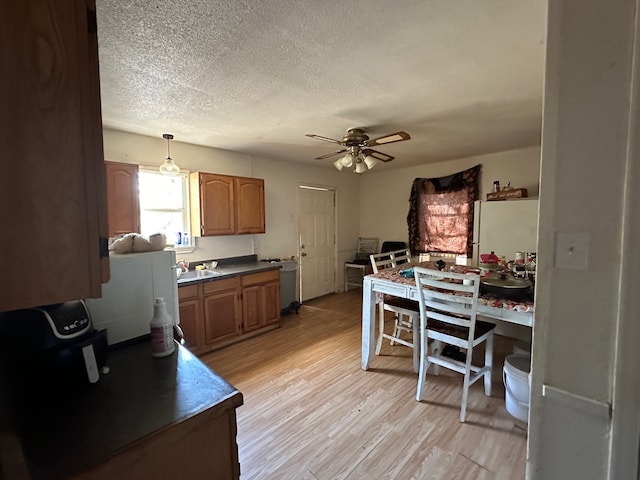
[169,167]
[370,161]
[347,160]
[360,167]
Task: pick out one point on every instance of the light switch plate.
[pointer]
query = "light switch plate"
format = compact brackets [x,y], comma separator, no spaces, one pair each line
[572,251]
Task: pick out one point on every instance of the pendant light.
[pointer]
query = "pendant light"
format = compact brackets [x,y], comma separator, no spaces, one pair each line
[169,167]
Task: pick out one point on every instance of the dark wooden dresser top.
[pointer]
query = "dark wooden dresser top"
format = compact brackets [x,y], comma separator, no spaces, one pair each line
[63,430]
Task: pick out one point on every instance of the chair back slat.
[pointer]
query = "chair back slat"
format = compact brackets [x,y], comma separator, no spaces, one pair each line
[366,246]
[444,296]
[459,321]
[384,260]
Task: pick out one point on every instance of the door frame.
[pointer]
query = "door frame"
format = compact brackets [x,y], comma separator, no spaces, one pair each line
[315,186]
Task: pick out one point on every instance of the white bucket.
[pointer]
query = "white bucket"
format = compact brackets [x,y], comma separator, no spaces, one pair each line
[516,378]
[522,348]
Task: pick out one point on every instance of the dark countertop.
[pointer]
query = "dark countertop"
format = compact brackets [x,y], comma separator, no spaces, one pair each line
[63,431]
[226,271]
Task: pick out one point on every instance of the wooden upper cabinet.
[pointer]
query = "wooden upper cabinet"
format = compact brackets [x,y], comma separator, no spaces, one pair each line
[212,204]
[122,198]
[54,193]
[226,205]
[250,205]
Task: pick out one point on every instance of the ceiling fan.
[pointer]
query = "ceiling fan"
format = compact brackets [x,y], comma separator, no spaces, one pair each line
[357,149]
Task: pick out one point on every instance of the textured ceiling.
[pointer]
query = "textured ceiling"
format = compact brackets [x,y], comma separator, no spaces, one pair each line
[461,77]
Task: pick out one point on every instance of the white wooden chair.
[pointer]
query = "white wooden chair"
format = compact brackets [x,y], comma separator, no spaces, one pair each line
[448,303]
[406,312]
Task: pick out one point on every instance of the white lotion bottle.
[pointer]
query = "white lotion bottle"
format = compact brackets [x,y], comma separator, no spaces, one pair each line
[161,326]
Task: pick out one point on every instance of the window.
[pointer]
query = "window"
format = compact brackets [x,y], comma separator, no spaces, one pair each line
[164,206]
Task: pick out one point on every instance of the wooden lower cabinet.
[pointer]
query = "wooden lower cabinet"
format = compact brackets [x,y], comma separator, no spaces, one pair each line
[190,306]
[216,313]
[222,314]
[260,299]
[203,446]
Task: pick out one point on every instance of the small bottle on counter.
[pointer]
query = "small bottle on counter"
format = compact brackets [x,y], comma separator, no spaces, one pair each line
[161,326]
[496,186]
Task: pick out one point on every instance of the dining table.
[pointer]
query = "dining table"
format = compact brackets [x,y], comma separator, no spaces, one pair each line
[399,282]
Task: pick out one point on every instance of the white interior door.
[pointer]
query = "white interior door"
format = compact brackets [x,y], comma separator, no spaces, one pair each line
[317,242]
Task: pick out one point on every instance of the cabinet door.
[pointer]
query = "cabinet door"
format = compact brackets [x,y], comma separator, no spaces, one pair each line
[191,323]
[252,308]
[54,192]
[249,205]
[271,302]
[221,316]
[260,305]
[212,205]
[122,198]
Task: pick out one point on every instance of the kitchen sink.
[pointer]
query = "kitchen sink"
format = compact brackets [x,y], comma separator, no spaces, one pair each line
[195,274]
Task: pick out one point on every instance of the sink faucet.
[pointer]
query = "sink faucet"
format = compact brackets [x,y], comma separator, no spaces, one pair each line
[182,265]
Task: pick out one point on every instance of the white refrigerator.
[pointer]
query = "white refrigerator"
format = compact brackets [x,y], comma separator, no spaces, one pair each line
[137,279]
[505,227]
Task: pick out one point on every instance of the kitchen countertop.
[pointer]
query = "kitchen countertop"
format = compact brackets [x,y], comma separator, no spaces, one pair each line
[226,271]
[63,431]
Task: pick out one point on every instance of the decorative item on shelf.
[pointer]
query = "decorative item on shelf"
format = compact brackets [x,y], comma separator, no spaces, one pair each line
[508,192]
[169,167]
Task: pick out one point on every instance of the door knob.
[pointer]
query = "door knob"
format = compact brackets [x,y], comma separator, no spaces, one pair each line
[303,254]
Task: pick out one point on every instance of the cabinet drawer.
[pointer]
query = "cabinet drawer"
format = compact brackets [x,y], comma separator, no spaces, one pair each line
[261,277]
[220,285]
[188,291]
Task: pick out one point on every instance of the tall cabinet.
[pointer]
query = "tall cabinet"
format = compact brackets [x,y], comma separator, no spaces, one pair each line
[53,200]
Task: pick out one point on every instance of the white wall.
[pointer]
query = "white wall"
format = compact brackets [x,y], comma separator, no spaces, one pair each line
[281,193]
[384,195]
[372,204]
[585,389]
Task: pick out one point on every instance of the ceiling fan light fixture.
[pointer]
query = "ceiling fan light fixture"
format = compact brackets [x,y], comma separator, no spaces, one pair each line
[169,167]
[370,161]
[358,145]
[347,160]
[360,167]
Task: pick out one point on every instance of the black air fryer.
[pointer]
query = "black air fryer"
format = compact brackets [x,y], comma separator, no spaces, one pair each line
[55,343]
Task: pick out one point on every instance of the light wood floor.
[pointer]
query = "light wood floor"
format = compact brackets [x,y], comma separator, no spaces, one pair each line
[311,412]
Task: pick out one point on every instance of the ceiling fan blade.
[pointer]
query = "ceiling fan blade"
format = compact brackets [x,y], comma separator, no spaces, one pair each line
[391,138]
[383,157]
[326,139]
[331,154]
